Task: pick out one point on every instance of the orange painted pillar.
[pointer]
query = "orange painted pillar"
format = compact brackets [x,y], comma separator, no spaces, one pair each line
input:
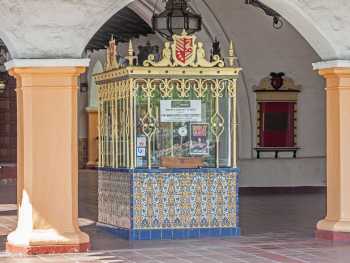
[336,225]
[92,137]
[47,157]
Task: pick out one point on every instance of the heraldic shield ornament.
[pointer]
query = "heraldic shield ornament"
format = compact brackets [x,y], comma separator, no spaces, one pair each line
[184,50]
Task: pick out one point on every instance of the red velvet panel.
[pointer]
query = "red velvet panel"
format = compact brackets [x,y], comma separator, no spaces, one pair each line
[277,124]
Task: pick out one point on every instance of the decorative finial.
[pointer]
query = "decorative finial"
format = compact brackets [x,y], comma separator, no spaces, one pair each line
[231,54]
[130,57]
[131,49]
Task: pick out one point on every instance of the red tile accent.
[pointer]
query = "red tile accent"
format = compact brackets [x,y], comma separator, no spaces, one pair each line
[54,249]
[335,236]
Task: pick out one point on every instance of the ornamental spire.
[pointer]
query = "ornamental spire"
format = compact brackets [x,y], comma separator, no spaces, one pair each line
[130,57]
[232,54]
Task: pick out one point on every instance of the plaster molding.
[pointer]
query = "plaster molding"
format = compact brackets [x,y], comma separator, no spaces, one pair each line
[331,64]
[46,63]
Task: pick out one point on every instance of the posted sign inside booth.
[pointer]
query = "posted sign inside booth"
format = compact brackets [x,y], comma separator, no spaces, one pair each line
[180,111]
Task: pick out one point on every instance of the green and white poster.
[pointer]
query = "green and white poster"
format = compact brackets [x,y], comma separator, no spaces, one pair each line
[180,111]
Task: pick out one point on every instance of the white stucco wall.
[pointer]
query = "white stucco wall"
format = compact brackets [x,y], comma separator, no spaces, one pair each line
[261,50]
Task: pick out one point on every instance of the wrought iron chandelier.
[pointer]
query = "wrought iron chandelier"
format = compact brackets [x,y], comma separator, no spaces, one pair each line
[176,18]
[277,18]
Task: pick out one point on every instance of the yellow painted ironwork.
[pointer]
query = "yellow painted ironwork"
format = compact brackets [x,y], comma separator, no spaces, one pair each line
[121,87]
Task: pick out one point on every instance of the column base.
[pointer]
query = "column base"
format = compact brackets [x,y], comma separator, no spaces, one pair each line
[46,241]
[51,249]
[333,236]
[336,230]
[91,165]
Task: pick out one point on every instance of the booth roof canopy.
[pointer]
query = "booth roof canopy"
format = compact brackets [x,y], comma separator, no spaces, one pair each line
[124,25]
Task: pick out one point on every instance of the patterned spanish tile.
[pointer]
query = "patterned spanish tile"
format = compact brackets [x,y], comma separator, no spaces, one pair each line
[114,199]
[185,200]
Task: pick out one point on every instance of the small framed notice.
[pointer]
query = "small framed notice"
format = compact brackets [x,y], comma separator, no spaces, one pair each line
[141,152]
[180,111]
[141,142]
[199,144]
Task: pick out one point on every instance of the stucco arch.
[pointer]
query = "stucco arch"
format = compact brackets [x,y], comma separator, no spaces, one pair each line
[62,29]
[301,18]
[306,26]
[97,22]
[8,44]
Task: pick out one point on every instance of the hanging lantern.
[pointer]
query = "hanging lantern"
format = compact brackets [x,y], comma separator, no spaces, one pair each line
[176,18]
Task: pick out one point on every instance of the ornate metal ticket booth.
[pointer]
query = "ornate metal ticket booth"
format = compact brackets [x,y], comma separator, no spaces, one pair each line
[167,144]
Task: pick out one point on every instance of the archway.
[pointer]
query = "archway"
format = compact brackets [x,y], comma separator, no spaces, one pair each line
[31,47]
[214,26]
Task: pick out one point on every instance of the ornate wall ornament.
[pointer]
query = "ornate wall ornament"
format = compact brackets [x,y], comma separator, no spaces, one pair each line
[277,108]
[277,81]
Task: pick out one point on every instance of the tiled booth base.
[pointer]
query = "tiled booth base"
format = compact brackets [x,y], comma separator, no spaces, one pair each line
[168,204]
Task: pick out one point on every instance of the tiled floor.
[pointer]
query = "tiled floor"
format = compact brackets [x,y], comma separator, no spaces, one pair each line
[275,227]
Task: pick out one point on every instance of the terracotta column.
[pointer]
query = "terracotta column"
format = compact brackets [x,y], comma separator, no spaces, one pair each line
[336,225]
[92,136]
[47,157]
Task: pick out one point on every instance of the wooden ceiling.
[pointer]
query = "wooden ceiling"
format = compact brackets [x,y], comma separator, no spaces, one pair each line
[124,25]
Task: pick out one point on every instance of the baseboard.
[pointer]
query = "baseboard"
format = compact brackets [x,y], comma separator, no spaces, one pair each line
[282,190]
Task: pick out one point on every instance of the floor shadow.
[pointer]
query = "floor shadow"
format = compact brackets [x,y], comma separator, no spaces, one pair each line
[8,193]
[2,243]
[88,194]
[281,212]
[102,240]
[8,213]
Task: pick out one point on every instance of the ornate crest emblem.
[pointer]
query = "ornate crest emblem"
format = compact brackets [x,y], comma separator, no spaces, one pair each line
[184,49]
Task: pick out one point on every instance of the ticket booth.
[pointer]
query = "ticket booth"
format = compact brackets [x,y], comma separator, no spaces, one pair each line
[167,143]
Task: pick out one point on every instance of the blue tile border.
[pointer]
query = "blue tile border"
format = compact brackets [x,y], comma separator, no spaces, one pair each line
[169,234]
[178,234]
